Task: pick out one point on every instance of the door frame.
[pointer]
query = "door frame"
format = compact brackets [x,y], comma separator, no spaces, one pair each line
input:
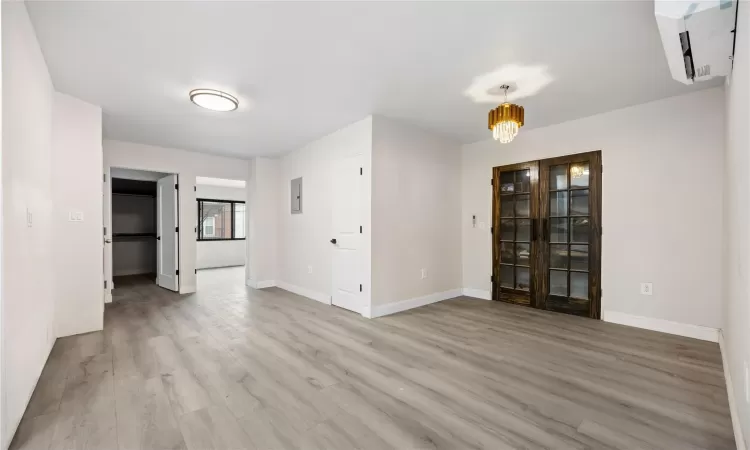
[497,290]
[539,213]
[107,208]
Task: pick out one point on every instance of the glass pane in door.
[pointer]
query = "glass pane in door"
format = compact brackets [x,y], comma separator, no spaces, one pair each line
[516,197]
[569,232]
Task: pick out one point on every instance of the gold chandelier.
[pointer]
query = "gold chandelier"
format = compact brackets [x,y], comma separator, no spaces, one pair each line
[506,119]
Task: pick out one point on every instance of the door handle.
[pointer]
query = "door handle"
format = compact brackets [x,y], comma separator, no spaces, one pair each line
[107,241]
[158,238]
[333,241]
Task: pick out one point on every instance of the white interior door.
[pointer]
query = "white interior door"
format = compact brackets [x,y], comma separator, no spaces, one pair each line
[107,232]
[347,234]
[167,233]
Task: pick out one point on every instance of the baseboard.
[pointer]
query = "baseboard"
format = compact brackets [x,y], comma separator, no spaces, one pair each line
[317,296]
[665,326]
[395,307]
[261,284]
[476,293]
[739,438]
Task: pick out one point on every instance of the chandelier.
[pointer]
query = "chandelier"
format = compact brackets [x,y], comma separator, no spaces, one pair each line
[506,119]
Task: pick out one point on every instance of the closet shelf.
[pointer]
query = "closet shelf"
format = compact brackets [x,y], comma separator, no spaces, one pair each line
[117,236]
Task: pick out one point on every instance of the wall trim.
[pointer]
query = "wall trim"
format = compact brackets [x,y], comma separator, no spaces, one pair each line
[665,326]
[260,284]
[317,296]
[416,302]
[739,439]
[476,293]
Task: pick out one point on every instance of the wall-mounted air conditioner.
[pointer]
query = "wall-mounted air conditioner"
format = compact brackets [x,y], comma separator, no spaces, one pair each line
[698,37]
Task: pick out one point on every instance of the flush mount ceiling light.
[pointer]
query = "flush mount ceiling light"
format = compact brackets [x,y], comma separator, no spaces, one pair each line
[214,100]
[506,119]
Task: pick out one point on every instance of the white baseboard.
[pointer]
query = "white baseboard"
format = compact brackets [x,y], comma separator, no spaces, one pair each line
[393,308]
[477,293]
[317,296]
[665,326]
[260,284]
[736,424]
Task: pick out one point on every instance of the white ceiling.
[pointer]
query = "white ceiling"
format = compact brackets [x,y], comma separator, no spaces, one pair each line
[304,69]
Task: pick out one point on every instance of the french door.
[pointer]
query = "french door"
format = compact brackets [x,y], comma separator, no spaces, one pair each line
[564,242]
[515,228]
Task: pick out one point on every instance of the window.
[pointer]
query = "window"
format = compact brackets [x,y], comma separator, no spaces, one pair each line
[208,227]
[220,220]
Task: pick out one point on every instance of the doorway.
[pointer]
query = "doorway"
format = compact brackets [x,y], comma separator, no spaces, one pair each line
[144,243]
[222,229]
[546,241]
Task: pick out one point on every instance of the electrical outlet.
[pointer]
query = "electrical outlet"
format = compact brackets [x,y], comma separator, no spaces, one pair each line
[424,273]
[29,218]
[647,288]
[309,269]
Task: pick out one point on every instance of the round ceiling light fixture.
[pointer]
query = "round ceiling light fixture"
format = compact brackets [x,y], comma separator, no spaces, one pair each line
[214,100]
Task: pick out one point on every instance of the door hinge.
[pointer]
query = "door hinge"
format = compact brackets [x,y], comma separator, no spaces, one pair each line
[104,177]
[360,171]
[492,230]
[105,231]
[196,271]
[360,288]
[176,229]
[177,272]
[176,186]
[492,278]
[105,284]
[360,229]
[492,182]
[195,188]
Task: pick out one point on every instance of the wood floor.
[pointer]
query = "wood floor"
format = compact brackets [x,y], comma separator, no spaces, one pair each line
[235,368]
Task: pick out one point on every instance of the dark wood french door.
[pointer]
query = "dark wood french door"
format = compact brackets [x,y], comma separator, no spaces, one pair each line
[556,264]
[515,230]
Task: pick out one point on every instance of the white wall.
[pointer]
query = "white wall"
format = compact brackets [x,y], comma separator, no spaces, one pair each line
[187,165]
[220,253]
[736,280]
[416,212]
[261,269]
[661,211]
[77,187]
[303,239]
[28,330]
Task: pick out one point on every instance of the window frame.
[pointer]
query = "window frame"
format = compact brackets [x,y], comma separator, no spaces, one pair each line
[231,203]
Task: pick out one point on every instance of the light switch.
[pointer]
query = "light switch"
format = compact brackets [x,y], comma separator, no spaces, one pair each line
[75,216]
[29,218]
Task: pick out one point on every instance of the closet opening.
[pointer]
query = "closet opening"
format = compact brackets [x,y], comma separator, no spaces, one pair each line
[145,228]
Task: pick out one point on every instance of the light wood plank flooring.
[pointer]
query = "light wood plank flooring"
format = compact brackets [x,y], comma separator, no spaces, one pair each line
[235,368]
